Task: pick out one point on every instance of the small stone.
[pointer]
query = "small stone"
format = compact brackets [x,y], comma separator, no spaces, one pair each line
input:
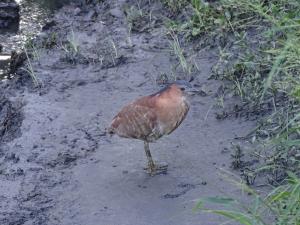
[20,172]
[225,150]
[91,16]
[115,12]
[77,11]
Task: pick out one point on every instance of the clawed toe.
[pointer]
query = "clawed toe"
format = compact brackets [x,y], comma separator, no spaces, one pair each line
[157,169]
[152,168]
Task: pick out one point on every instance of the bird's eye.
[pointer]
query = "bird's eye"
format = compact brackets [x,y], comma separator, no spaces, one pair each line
[182,88]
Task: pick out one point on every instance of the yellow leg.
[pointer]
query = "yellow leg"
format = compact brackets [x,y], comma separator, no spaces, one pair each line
[151,165]
[154,169]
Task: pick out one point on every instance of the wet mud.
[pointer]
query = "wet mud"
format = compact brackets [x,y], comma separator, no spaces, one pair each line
[9,14]
[58,166]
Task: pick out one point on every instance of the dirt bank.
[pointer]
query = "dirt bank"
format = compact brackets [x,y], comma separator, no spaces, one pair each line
[62,169]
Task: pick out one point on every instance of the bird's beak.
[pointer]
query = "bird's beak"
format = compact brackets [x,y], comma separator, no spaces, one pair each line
[192,91]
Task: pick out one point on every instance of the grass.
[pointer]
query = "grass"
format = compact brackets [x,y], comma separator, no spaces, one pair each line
[115,50]
[29,69]
[175,6]
[179,53]
[71,47]
[280,207]
[31,48]
[259,54]
[138,19]
[262,61]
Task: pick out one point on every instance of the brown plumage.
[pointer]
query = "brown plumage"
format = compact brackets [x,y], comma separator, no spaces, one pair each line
[149,118]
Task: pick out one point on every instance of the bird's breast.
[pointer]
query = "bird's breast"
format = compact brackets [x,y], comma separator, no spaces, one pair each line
[171,113]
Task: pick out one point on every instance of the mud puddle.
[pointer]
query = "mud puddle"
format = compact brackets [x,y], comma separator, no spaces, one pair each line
[62,169]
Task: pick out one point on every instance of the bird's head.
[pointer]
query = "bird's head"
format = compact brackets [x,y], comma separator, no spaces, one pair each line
[186,87]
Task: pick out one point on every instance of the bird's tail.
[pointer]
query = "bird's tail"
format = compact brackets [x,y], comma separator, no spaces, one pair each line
[110,131]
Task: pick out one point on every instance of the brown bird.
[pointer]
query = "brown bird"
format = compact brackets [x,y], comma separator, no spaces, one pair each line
[149,118]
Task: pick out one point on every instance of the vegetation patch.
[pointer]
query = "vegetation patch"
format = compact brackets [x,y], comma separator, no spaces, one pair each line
[280,207]
[260,56]
[174,7]
[259,61]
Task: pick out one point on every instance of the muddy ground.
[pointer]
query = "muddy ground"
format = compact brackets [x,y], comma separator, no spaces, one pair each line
[57,164]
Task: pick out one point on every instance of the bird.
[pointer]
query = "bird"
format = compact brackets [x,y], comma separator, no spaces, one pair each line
[150,117]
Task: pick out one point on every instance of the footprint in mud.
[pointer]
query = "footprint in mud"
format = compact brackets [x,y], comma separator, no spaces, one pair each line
[12,157]
[185,187]
[64,160]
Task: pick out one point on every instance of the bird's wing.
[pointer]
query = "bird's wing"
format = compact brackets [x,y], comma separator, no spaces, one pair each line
[135,121]
[182,112]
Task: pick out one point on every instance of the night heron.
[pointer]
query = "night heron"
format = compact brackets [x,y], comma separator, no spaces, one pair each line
[149,118]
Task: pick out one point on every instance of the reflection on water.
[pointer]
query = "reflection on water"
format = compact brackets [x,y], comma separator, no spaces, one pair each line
[34,13]
[49,5]
[4,59]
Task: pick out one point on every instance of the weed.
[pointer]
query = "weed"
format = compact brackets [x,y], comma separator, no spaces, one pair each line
[31,48]
[29,69]
[138,19]
[260,55]
[178,51]
[237,156]
[261,58]
[283,204]
[51,40]
[71,48]
[116,55]
[175,6]
[72,43]
[186,65]
[249,175]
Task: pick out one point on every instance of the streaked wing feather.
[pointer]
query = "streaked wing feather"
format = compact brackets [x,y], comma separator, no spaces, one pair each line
[135,121]
[182,114]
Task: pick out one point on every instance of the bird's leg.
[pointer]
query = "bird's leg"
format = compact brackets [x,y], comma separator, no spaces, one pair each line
[154,169]
[151,165]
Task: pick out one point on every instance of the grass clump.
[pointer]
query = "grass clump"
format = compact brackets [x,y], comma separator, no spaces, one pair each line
[71,47]
[139,18]
[280,207]
[72,51]
[179,53]
[175,6]
[259,54]
[28,68]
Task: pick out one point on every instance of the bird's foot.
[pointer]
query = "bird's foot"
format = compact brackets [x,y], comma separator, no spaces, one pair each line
[157,169]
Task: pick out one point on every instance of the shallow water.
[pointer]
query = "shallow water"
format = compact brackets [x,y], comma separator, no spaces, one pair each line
[34,14]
